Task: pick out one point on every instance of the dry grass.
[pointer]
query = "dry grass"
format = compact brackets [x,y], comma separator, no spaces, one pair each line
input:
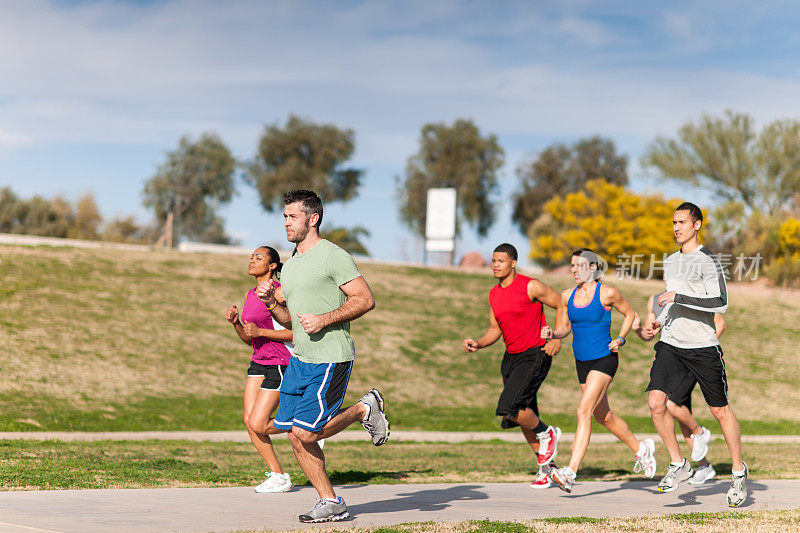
[87,327]
[733,521]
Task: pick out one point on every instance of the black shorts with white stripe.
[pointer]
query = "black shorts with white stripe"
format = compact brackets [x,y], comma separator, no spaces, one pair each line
[273,374]
[672,366]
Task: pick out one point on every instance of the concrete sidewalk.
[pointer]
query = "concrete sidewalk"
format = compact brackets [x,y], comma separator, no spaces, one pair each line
[230,509]
[351,436]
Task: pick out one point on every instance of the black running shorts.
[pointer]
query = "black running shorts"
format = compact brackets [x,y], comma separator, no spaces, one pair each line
[682,395]
[523,373]
[606,365]
[273,374]
[672,366]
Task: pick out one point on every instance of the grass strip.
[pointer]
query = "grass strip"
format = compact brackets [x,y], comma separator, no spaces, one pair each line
[31,465]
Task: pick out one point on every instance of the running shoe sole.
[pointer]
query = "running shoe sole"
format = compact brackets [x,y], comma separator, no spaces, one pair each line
[556,477]
[381,405]
[333,518]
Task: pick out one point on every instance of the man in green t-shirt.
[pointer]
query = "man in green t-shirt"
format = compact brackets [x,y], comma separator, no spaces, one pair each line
[321,292]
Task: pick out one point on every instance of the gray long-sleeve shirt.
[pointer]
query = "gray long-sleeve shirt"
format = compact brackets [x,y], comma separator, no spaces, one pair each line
[699,283]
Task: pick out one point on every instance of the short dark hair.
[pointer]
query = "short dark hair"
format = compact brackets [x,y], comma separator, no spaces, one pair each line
[507,249]
[694,211]
[311,202]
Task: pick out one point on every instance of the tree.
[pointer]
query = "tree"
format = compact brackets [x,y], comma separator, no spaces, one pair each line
[125,229]
[561,169]
[606,218]
[11,211]
[86,221]
[348,238]
[303,155]
[730,157]
[452,156]
[188,187]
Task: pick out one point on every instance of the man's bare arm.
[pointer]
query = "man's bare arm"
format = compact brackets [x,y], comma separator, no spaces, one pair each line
[359,302]
[487,339]
[549,297]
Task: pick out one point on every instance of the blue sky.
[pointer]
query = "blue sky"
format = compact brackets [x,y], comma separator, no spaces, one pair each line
[93,93]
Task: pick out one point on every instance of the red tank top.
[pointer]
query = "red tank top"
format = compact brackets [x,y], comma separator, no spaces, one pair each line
[520,319]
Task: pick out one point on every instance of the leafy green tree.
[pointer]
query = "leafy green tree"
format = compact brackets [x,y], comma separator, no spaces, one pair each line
[189,186]
[729,156]
[303,155]
[348,238]
[452,156]
[37,216]
[560,169]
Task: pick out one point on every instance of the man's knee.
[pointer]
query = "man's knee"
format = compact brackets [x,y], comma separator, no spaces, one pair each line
[722,413]
[302,436]
[657,401]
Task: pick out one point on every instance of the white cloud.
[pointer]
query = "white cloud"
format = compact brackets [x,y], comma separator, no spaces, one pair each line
[111,72]
[10,141]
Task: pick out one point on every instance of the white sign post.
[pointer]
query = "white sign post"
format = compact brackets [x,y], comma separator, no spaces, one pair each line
[440,221]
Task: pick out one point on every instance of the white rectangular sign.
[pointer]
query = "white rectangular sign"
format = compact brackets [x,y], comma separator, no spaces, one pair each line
[440,218]
[440,245]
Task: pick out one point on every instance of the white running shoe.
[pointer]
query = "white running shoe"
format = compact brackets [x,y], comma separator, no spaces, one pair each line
[275,482]
[702,474]
[564,478]
[700,444]
[647,460]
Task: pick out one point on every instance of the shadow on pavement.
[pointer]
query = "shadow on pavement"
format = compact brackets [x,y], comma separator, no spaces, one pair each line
[716,487]
[421,500]
[347,477]
[647,486]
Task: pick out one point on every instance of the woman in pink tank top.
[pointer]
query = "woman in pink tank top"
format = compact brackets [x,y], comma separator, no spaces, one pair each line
[271,352]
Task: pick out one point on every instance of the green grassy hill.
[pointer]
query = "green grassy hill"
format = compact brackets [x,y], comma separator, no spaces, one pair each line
[102,340]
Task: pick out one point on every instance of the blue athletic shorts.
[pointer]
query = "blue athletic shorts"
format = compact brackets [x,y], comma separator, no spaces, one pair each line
[311,394]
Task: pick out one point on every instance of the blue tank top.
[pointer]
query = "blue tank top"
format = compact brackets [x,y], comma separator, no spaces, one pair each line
[591,327]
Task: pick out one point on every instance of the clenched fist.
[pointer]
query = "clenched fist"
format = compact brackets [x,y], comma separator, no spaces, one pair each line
[470,345]
[251,330]
[232,314]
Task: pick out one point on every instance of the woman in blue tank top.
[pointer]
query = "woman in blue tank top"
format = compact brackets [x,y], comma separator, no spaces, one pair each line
[586,312]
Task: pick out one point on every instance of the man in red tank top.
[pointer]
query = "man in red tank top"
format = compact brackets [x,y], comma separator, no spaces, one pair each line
[516,314]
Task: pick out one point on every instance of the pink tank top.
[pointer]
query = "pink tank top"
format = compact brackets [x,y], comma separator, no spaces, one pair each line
[265,351]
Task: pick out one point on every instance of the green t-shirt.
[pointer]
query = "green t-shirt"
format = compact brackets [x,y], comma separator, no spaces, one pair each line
[310,283]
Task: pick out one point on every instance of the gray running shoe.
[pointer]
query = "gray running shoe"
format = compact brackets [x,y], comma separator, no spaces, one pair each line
[326,511]
[737,494]
[376,423]
[675,474]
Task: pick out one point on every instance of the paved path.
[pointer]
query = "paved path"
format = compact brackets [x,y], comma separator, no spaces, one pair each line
[230,509]
[397,436]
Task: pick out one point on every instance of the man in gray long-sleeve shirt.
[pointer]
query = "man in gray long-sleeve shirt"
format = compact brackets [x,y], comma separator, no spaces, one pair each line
[689,345]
